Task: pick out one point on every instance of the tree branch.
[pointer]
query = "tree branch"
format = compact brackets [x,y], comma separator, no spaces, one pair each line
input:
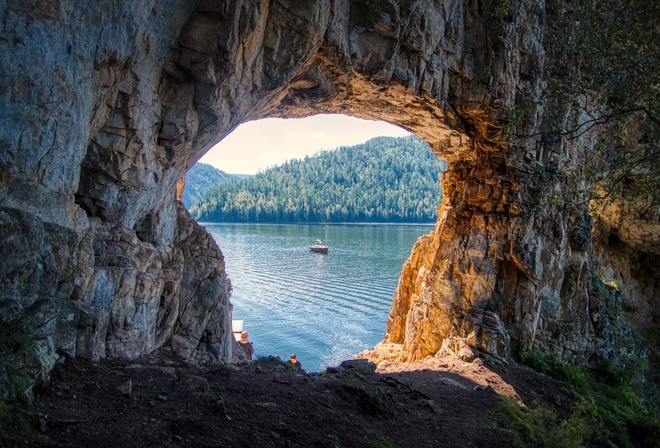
[622,177]
[603,119]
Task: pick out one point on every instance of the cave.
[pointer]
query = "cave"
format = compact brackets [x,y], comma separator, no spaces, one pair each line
[101,125]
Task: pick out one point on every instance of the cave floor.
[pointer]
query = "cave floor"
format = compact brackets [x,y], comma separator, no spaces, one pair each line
[160,401]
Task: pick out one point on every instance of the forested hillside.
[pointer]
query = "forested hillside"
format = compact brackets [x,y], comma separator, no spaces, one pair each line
[200,178]
[383,180]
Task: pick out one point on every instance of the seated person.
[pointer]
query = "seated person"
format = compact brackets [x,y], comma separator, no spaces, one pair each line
[293,362]
[247,346]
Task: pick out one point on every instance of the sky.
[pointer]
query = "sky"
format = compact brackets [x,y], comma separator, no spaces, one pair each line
[257,145]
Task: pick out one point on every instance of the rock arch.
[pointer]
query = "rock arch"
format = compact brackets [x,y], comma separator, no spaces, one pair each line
[103,121]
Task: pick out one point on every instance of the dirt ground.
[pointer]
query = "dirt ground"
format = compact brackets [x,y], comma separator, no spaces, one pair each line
[161,401]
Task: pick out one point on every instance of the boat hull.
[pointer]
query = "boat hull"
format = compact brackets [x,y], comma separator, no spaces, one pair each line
[319,249]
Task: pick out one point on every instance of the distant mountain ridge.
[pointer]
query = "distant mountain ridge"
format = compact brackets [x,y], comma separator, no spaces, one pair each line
[383,180]
[200,178]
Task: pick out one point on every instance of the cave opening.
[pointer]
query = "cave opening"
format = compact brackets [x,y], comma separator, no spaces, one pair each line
[324,308]
[105,109]
[132,169]
[127,190]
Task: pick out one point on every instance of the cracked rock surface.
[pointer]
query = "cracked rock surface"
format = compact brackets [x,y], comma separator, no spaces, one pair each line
[104,108]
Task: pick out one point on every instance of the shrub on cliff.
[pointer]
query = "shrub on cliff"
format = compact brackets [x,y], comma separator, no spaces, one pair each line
[610,409]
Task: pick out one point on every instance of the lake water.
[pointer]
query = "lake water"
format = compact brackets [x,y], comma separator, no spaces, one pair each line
[324,308]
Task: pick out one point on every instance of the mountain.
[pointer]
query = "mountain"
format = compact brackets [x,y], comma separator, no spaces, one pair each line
[200,178]
[383,180]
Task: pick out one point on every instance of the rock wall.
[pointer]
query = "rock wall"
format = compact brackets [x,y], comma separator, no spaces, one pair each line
[504,271]
[105,108]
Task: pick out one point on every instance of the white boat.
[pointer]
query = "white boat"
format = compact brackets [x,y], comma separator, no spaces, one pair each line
[319,247]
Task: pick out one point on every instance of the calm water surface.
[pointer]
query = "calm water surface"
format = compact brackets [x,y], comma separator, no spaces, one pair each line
[324,308]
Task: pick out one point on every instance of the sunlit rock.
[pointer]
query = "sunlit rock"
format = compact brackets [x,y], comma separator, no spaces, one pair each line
[105,108]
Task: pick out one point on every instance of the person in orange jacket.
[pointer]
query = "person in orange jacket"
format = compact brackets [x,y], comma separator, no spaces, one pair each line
[293,362]
[247,346]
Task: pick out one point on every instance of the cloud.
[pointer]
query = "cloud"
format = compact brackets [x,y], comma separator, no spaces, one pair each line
[294,135]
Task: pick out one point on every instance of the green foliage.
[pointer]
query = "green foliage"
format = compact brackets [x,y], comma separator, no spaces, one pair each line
[200,178]
[17,351]
[556,368]
[539,426]
[382,180]
[15,338]
[604,76]
[609,409]
[607,291]
[15,420]
[502,9]
[621,65]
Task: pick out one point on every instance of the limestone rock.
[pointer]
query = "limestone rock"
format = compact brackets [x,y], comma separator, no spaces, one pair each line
[105,109]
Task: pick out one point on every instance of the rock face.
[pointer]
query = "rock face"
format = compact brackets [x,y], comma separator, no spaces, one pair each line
[105,108]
